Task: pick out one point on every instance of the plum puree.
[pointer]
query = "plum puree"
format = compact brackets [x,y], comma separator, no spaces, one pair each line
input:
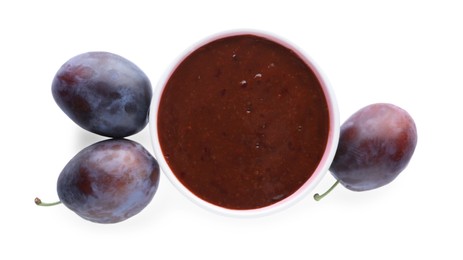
[243,122]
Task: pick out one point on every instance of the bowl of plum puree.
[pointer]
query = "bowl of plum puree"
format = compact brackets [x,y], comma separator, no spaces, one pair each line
[244,123]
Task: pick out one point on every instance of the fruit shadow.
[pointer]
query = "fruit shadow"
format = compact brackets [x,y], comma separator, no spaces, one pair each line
[83,138]
[343,197]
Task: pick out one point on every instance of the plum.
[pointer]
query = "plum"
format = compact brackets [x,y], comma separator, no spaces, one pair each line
[109,181]
[103,93]
[376,144]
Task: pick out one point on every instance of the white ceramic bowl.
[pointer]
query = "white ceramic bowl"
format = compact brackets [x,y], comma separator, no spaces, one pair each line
[307,187]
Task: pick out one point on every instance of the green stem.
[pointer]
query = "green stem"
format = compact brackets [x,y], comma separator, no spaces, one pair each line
[39,202]
[318,197]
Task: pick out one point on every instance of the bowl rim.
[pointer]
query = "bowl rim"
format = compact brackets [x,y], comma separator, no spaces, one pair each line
[308,186]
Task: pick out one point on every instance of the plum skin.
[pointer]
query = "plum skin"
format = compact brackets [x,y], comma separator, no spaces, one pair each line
[109,181]
[103,93]
[376,144]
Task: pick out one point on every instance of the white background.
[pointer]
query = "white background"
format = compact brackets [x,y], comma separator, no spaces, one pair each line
[409,53]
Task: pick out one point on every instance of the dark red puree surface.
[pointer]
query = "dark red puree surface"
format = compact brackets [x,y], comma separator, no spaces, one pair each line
[243,122]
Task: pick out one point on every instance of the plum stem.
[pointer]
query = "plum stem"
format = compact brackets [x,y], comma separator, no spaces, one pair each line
[39,202]
[318,197]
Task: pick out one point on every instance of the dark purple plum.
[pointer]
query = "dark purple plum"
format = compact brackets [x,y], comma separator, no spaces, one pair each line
[376,144]
[109,181]
[103,93]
